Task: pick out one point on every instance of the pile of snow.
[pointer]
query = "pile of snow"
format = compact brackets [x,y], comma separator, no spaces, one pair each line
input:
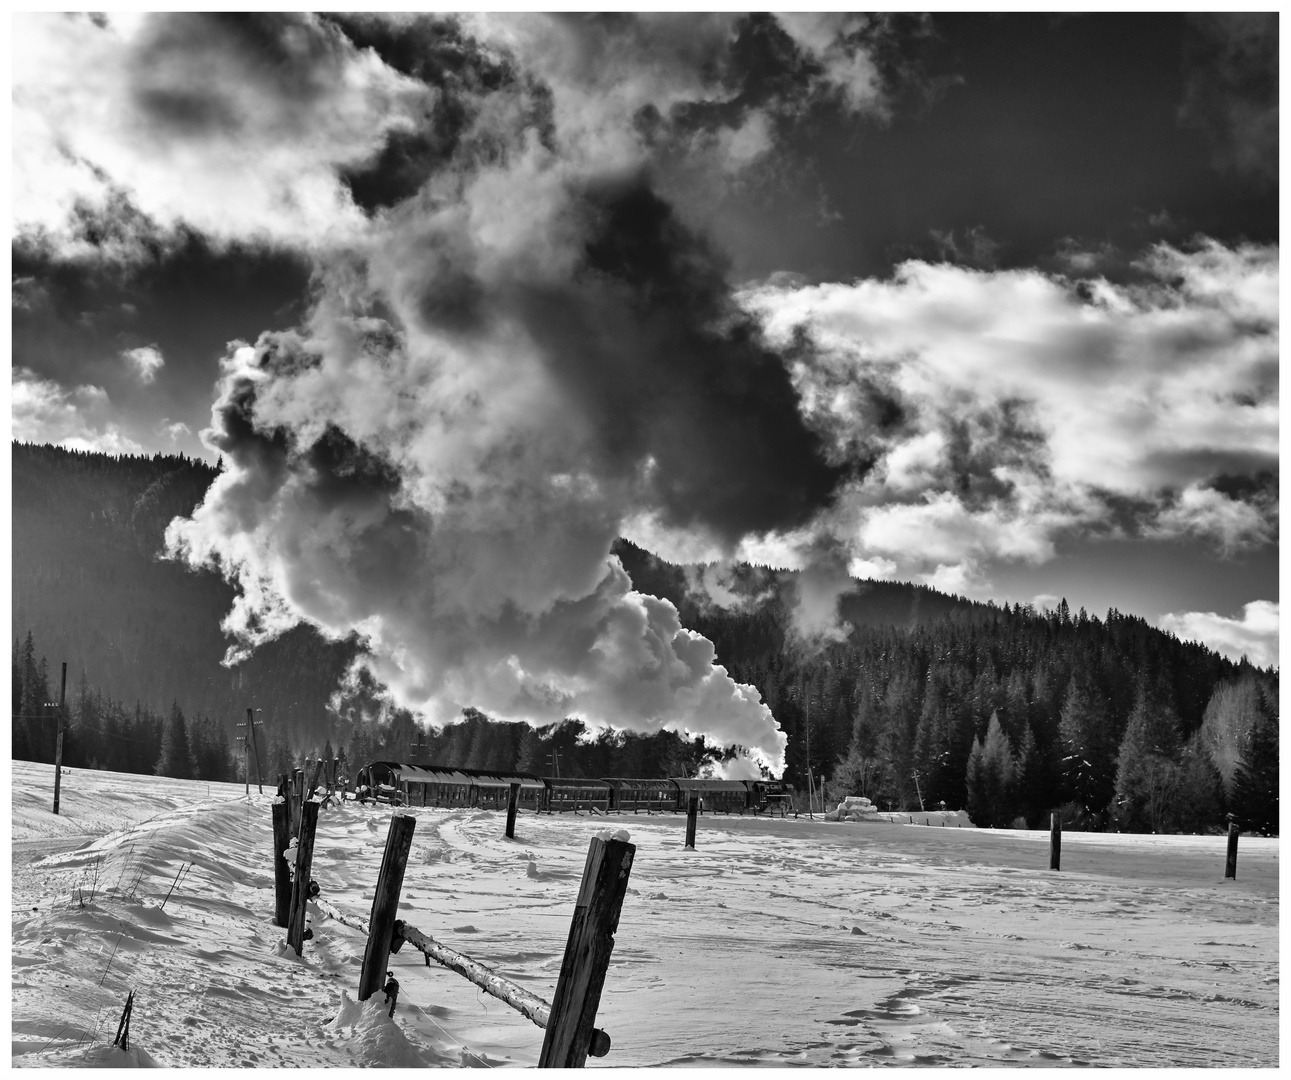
[373,1035]
[854,808]
[113,1057]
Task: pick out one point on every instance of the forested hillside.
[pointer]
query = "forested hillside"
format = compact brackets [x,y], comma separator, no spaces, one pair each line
[1007,711]
[90,588]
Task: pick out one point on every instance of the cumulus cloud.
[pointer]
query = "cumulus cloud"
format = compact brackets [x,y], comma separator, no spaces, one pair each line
[173,429]
[1001,410]
[235,126]
[1254,634]
[145,361]
[79,418]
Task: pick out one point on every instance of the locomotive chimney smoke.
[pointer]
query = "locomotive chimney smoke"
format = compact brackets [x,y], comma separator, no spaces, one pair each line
[526,347]
[523,350]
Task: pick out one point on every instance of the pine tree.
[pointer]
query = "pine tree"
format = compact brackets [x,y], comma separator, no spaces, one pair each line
[1255,788]
[1147,778]
[1200,807]
[1087,761]
[175,758]
[989,779]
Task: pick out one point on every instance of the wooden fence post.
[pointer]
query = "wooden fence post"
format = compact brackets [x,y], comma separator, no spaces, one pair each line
[123,1028]
[301,879]
[298,779]
[58,741]
[1055,840]
[587,954]
[385,904]
[1230,864]
[281,872]
[512,803]
[692,808]
[313,778]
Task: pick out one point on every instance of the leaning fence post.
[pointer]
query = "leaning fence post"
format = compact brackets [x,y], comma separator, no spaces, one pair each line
[1230,864]
[385,904]
[570,1026]
[123,1028]
[1055,840]
[281,872]
[512,803]
[301,879]
[692,808]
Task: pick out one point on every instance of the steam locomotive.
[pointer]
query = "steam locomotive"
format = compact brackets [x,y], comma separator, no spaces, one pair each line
[433,785]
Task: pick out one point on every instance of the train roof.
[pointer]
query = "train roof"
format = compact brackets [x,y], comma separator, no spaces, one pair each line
[438,774]
[696,783]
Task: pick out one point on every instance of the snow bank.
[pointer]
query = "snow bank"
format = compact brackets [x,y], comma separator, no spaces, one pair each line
[113,1057]
[373,1035]
[951,819]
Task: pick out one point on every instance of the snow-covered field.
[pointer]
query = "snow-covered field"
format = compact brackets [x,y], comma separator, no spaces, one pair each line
[774,943]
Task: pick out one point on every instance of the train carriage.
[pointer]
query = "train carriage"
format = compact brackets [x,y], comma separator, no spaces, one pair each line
[721,796]
[493,790]
[627,793]
[576,794]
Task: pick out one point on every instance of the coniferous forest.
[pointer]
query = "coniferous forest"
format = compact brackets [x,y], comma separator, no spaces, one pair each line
[1005,711]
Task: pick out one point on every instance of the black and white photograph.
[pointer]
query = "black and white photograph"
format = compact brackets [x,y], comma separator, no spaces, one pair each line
[639,540]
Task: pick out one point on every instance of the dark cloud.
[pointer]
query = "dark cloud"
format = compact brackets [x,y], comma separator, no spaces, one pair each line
[1232,90]
[291,59]
[436,51]
[649,342]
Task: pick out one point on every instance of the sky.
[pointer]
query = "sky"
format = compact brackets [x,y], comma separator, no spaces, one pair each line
[988,303]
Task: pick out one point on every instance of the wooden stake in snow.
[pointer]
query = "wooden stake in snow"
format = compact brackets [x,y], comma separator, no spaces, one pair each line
[587,955]
[313,779]
[692,809]
[297,799]
[512,803]
[1055,840]
[123,1028]
[1230,864]
[385,904]
[58,742]
[300,880]
[281,872]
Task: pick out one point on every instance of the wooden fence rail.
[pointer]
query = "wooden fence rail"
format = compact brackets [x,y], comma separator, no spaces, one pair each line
[595,1042]
[529,1005]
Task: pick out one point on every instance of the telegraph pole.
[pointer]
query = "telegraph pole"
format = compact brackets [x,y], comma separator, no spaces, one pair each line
[58,743]
[249,747]
[810,786]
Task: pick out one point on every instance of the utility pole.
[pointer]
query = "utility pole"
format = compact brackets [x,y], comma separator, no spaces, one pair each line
[58,742]
[915,774]
[811,789]
[554,758]
[249,747]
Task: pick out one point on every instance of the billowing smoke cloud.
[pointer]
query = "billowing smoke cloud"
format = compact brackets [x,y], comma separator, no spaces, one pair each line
[507,363]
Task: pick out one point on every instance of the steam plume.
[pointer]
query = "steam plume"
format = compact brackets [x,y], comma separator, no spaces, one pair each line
[516,358]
